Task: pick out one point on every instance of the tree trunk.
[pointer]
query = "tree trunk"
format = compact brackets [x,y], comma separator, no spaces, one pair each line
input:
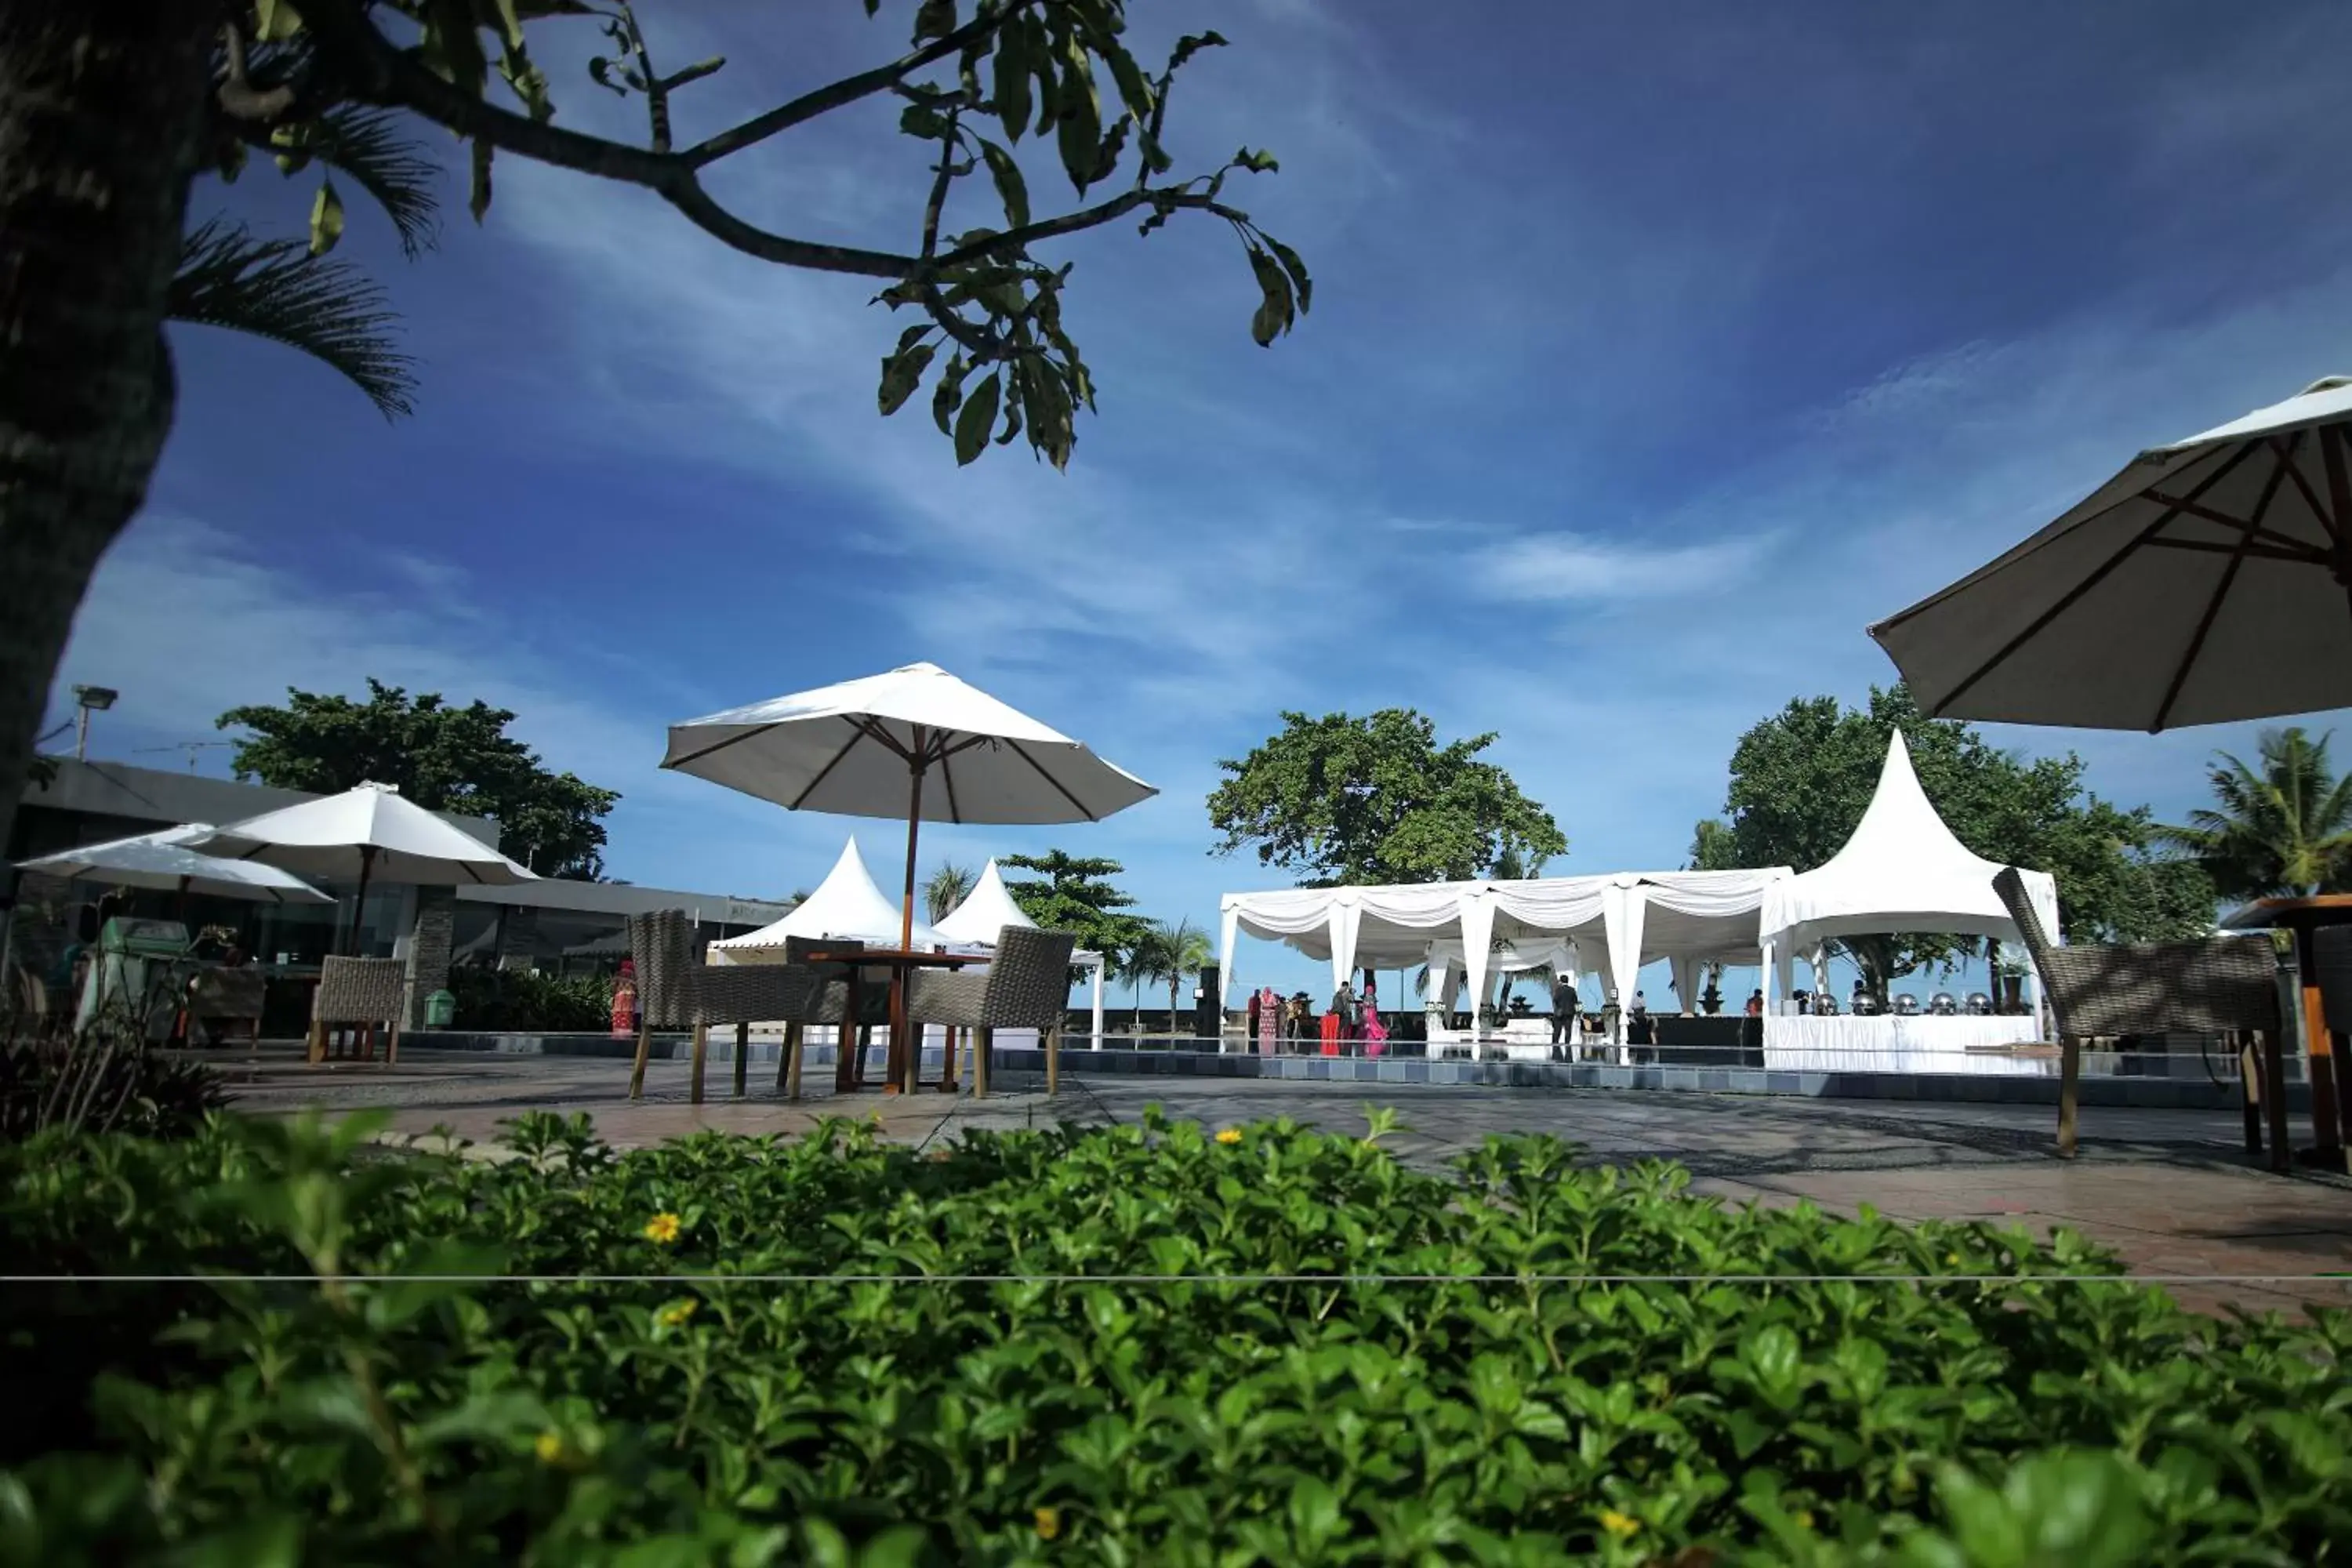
[101,110]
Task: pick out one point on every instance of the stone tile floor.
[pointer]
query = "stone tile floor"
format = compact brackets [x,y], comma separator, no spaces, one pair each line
[2171,1191]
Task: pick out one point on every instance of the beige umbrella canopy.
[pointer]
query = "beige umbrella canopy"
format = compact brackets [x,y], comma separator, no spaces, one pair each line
[164,860]
[913,742]
[2210,581]
[366,834]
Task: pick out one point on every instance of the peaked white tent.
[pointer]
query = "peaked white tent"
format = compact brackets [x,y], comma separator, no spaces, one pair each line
[846,905]
[1902,871]
[987,910]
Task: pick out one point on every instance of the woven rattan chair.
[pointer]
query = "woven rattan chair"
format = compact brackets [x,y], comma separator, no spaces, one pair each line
[828,1003]
[2331,963]
[363,993]
[224,997]
[677,992]
[1027,986]
[2225,985]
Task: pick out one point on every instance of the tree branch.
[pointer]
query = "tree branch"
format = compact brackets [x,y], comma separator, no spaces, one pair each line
[849,89]
[238,97]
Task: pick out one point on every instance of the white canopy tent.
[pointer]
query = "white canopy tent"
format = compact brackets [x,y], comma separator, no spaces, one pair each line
[1902,871]
[987,910]
[1635,918]
[846,905]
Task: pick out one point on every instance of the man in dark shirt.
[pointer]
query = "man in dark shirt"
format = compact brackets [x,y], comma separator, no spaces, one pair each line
[1564,1003]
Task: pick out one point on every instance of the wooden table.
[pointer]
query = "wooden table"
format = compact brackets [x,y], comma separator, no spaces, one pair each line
[2331,1087]
[904,1065]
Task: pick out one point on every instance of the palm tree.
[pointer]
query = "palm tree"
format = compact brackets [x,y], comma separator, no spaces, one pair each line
[949,886]
[2284,826]
[1147,958]
[1185,951]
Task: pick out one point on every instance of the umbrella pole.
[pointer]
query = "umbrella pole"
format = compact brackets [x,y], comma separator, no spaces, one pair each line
[359,904]
[906,1053]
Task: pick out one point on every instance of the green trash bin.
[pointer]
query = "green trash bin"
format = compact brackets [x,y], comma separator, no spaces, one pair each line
[440,1010]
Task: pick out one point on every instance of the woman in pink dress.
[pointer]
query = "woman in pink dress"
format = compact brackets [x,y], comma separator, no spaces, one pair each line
[1376,1037]
[1269,1022]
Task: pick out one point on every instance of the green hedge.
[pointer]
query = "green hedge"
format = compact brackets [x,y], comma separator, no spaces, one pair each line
[1995,1415]
[500,1000]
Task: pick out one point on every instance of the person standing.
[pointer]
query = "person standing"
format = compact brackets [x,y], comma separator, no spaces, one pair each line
[1266,1012]
[1376,1033]
[1249,1016]
[1564,1004]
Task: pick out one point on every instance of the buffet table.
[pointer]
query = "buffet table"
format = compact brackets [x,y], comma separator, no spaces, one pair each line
[1920,1043]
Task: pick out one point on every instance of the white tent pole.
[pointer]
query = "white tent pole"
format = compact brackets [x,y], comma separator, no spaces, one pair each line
[1100,959]
[1230,933]
[1770,979]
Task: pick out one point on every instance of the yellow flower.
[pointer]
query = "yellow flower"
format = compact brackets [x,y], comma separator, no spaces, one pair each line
[677,1313]
[662,1229]
[1230,1135]
[1049,1524]
[1619,1524]
[549,1447]
[1804,1518]
[1952,1257]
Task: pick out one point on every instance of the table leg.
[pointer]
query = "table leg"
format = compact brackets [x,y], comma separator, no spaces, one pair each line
[845,1059]
[896,1075]
[2319,1049]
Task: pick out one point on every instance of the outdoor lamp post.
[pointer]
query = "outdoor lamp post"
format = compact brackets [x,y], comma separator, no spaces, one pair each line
[88,700]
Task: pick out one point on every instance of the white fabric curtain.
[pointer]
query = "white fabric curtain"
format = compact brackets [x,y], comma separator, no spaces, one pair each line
[1554,903]
[1477,917]
[1628,906]
[1232,924]
[1345,917]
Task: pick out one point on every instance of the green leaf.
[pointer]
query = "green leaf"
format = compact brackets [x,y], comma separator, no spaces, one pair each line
[934,19]
[949,395]
[326,218]
[1297,269]
[1011,188]
[1014,65]
[509,23]
[977,421]
[275,20]
[478,202]
[1036,46]
[1191,45]
[1274,312]
[1133,89]
[902,372]
[921,119]
[1080,131]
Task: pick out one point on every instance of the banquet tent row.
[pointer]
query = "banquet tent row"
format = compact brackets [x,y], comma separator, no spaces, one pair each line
[1691,918]
[848,906]
[1903,870]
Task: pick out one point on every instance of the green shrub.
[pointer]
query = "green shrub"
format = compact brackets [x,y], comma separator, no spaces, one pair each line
[714,1403]
[100,1078]
[523,1000]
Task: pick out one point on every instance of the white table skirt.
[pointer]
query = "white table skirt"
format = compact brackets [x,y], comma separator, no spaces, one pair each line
[1843,1042]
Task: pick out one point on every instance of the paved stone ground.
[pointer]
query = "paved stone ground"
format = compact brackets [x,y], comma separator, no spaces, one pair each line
[2171,1191]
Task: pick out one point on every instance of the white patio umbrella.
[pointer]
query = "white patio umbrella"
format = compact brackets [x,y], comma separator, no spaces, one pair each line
[2210,581]
[364,834]
[164,860]
[914,741]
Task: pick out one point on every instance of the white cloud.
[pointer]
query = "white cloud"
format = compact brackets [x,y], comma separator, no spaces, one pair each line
[1602,572]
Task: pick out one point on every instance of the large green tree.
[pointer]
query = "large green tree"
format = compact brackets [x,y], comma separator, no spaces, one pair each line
[2281,827]
[1340,800]
[1075,893]
[1801,779]
[442,757]
[109,111]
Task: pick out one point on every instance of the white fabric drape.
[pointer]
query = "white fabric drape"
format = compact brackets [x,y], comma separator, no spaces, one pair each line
[1476,914]
[1889,1044]
[1231,925]
[1628,906]
[1686,984]
[1345,917]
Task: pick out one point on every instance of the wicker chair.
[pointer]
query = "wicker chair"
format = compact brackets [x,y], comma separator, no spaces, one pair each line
[2331,963]
[676,992]
[363,994]
[1027,986]
[227,996]
[828,1003]
[2226,986]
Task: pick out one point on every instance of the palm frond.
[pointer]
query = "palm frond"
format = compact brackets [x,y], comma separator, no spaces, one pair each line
[275,289]
[366,144]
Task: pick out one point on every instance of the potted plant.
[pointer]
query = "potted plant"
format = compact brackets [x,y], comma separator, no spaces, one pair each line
[2011,973]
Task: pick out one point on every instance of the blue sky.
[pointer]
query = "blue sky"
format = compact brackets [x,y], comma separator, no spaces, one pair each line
[1656,351]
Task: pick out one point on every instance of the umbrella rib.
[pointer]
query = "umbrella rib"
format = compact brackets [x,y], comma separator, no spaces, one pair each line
[947,776]
[1023,752]
[858,733]
[2221,592]
[2035,627]
[2285,447]
[2250,529]
[721,745]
